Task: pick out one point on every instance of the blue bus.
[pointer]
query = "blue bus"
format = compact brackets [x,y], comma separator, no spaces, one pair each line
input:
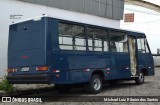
[48,50]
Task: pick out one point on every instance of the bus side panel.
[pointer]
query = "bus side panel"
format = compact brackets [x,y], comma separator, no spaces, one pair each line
[145,61]
[150,64]
[122,66]
[79,65]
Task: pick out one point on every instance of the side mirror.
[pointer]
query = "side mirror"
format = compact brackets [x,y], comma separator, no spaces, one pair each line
[158,51]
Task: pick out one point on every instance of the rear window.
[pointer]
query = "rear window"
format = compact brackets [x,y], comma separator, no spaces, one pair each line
[25,36]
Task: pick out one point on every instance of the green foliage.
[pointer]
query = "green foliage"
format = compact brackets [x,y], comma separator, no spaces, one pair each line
[4,85]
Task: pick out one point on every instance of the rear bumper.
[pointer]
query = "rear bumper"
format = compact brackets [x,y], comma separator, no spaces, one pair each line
[30,79]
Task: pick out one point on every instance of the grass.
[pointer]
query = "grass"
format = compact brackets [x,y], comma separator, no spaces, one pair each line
[5,86]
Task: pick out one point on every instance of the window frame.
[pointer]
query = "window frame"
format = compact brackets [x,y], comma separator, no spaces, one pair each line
[144,45]
[72,23]
[120,31]
[107,29]
[100,28]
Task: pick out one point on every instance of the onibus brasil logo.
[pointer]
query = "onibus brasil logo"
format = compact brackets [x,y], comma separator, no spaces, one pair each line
[14,99]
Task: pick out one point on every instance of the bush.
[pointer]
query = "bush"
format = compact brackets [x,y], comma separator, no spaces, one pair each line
[4,85]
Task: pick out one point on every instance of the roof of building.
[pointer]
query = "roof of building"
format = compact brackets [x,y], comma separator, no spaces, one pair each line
[145,3]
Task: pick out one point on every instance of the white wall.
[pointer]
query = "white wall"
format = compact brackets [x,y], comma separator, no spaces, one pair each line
[147,21]
[11,7]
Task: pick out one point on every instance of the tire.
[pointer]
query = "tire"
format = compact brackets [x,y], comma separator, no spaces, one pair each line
[95,85]
[63,88]
[140,79]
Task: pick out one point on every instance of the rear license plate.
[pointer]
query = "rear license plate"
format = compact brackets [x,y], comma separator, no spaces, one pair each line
[25,69]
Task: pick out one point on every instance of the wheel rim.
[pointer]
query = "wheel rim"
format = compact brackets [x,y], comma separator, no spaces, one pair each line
[96,84]
[141,77]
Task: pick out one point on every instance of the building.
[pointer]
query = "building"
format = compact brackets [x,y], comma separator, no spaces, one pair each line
[146,19]
[98,12]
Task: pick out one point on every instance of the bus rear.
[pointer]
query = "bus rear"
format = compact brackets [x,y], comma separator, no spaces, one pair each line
[27,59]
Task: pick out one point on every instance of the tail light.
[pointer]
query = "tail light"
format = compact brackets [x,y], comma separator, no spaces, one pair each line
[55,71]
[42,68]
[11,70]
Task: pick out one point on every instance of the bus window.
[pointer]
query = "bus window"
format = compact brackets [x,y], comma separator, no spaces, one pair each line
[71,37]
[146,47]
[141,45]
[97,39]
[118,42]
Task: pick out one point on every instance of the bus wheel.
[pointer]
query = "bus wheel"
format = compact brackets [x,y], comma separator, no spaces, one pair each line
[140,79]
[95,85]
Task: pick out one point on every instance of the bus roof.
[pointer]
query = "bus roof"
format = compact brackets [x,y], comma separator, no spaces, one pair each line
[36,18]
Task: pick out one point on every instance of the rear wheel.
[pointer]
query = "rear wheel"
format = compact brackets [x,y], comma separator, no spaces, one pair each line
[95,85]
[140,79]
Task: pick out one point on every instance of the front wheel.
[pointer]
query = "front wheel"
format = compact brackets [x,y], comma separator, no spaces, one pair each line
[140,79]
[95,85]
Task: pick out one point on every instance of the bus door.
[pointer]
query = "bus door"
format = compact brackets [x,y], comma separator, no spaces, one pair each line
[132,51]
[149,58]
[145,56]
[120,53]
